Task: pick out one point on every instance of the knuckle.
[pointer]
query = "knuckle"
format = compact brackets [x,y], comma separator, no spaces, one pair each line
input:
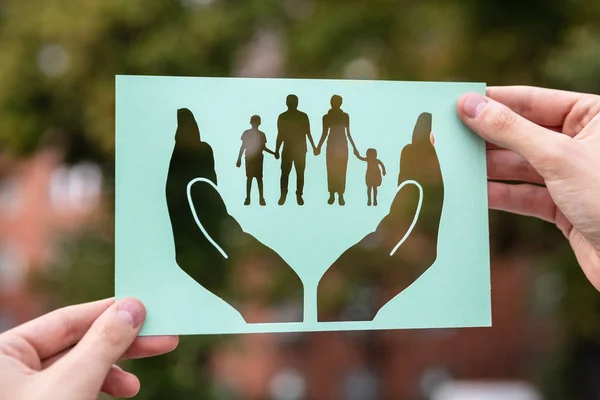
[555,158]
[527,105]
[581,114]
[109,334]
[493,164]
[6,348]
[503,119]
[523,167]
[70,333]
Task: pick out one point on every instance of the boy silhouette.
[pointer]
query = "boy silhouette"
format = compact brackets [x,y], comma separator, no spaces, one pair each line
[254,142]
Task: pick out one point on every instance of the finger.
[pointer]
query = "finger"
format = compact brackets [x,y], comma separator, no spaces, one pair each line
[119,383]
[106,341]
[507,165]
[525,199]
[51,360]
[546,150]
[492,146]
[142,347]
[61,329]
[557,129]
[542,106]
[150,346]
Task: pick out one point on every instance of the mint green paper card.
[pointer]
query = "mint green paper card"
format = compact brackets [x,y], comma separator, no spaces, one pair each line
[280,205]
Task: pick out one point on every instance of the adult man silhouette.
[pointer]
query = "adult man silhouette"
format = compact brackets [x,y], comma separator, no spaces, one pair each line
[293,127]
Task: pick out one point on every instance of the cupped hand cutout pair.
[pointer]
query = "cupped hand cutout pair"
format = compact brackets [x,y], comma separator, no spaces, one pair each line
[212,248]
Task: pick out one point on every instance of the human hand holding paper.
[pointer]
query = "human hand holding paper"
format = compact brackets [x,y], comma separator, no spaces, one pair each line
[550,140]
[71,353]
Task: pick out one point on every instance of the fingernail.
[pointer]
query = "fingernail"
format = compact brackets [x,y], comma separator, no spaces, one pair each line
[474,104]
[132,312]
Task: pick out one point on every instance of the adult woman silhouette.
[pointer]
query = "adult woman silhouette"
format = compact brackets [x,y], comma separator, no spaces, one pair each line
[336,129]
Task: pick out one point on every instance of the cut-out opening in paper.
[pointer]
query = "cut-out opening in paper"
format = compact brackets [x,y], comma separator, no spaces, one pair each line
[258,205]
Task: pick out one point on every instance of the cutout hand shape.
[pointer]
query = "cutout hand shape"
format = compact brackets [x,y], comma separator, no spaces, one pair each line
[210,245]
[404,245]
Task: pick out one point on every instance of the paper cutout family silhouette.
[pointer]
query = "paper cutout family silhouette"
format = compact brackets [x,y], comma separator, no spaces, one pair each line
[293,129]
[213,249]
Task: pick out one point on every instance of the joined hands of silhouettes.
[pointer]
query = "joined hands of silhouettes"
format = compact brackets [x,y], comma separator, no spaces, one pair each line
[293,130]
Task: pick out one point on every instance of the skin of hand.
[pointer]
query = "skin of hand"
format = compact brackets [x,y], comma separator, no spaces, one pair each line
[70,353]
[550,140]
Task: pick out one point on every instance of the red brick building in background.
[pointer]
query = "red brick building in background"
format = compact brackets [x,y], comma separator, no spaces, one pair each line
[406,364]
[41,199]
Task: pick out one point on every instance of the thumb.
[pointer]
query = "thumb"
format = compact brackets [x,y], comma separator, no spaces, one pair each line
[83,369]
[546,150]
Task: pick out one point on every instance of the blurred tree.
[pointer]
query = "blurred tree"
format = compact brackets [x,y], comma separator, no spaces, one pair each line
[59,58]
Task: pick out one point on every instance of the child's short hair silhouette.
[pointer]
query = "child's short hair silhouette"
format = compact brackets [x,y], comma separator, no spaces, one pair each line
[254,143]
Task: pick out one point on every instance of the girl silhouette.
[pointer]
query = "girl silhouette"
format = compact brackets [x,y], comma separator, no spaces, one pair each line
[373,176]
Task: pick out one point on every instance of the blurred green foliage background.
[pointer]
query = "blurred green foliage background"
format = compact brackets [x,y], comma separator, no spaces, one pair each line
[59,58]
